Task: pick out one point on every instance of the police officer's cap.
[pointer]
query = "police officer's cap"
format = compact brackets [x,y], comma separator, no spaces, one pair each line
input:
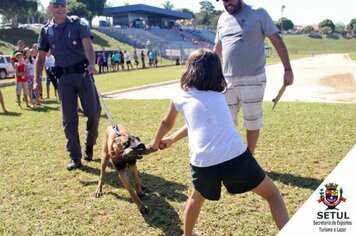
[62,2]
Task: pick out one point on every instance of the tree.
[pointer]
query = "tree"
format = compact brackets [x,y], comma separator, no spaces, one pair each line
[206,7]
[207,20]
[78,9]
[352,25]
[95,8]
[326,30]
[201,18]
[11,9]
[328,23]
[186,10]
[204,17]
[31,18]
[340,27]
[168,5]
[307,29]
[287,24]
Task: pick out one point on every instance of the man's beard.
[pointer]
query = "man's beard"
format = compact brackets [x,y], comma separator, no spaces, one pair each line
[234,9]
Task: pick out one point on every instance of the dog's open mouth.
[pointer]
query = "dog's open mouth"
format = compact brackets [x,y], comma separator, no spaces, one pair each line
[137,150]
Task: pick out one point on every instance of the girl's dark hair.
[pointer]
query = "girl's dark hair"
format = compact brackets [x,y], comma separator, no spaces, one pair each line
[203,71]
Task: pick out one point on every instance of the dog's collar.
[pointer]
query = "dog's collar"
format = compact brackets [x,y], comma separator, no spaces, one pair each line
[116,130]
[116,155]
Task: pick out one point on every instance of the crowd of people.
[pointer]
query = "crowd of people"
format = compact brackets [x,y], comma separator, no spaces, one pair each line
[120,60]
[23,60]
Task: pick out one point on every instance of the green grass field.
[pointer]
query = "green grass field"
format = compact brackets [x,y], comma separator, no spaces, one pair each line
[300,144]
[303,46]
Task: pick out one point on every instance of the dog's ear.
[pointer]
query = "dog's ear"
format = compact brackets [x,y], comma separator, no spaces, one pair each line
[111,142]
[122,140]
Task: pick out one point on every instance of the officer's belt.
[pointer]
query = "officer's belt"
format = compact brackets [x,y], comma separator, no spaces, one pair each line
[77,68]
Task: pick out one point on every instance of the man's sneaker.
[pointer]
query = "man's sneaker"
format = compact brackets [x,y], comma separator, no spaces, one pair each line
[88,153]
[74,164]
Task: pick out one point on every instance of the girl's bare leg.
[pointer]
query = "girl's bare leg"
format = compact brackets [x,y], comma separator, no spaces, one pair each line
[192,211]
[270,192]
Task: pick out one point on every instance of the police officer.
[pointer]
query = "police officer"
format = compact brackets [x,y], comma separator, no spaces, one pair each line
[69,40]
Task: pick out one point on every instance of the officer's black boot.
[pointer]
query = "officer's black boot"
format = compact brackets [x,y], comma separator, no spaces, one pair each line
[74,164]
[88,153]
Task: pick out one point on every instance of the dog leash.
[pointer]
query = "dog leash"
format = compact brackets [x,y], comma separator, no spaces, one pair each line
[111,120]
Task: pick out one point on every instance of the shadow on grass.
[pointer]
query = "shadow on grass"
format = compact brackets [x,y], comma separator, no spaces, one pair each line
[298,181]
[52,101]
[10,113]
[45,108]
[160,191]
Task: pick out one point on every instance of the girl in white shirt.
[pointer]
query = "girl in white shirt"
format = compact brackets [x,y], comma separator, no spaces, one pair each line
[217,153]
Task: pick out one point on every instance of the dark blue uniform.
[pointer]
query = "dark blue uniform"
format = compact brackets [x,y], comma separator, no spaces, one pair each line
[65,42]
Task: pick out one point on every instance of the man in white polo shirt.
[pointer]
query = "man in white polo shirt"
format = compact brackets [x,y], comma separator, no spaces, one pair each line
[241,31]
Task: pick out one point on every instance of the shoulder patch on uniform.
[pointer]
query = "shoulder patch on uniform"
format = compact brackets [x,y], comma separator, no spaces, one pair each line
[74,18]
[49,23]
[82,22]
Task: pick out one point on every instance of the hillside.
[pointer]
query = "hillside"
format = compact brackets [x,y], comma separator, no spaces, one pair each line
[298,45]
[9,37]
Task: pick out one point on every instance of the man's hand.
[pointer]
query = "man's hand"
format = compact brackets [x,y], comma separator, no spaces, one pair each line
[91,69]
[288,77]
[165,143]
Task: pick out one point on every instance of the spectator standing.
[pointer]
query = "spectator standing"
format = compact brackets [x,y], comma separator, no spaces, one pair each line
[116,60]
[155,61]
[99,61]
[20,48]
[143,59]
[151,57]
[241,31]
[69,39]
[122,60]
[110,64]
[21,79]
[105,62]
[128,60]
[30,75]
[135,57]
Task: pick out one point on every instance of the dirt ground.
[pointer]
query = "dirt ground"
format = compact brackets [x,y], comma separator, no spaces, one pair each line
[325,78]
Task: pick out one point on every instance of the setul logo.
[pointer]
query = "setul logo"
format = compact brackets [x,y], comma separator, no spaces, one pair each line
[331,219]
[332,196]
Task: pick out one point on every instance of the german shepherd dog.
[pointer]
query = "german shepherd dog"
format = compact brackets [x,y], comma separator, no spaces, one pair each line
[123,150]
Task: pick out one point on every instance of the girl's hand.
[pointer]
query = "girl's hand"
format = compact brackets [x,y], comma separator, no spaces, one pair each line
[165,143]
[149,149]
